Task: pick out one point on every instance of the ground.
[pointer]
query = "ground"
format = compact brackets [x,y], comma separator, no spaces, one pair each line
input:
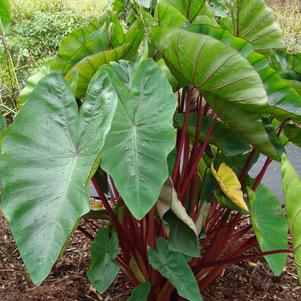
[250,281]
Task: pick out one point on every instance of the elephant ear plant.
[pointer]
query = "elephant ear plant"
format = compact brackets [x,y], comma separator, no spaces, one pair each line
[165,114]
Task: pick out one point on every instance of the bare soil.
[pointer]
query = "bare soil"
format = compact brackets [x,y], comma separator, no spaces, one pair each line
[250,281]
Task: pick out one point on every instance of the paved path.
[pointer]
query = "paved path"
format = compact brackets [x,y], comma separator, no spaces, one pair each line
[272,178]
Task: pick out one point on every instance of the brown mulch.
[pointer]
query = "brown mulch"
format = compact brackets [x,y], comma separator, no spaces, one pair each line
[250,281]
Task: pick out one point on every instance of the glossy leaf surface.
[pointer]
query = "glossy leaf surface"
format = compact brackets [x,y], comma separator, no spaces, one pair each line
[100,35]
[46,162]
[141,136]
[283,101]
[188,8]
[209,65]
[253,21]
[173,266]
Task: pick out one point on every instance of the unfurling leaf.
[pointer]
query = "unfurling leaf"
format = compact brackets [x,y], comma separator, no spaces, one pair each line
[183,236]
[292,191]
[229,184]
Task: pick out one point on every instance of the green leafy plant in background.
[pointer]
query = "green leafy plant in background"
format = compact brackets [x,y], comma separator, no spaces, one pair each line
[165,107]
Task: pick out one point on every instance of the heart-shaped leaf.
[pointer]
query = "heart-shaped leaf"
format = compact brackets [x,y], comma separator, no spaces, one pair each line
[141,136]
[173,266]
[270,226]
[46,161]
[104,268]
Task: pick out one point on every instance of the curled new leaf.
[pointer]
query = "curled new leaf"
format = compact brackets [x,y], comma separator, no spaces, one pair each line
[230,185]
[183,236]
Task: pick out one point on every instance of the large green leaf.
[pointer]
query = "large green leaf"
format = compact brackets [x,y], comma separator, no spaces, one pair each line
[270,226]
[141,136]
[222,136]
[46,161]
[87,67]
[250,126]
[4,15]
[182,233]
[168,15]
[104,268]
[212,67]
[283,100]
[173,266]
[99,35]
[140,292]
[253,21]
[188,8]
[292,190]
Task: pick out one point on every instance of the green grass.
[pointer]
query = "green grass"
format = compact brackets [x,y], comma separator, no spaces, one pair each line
[288,15]
[27,7]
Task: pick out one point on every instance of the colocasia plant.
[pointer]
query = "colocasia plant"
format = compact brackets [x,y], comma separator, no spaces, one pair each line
[165,107]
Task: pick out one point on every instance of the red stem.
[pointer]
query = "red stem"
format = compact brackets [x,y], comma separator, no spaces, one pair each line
[262,172]
[182,139]
[247,166]
[196,162]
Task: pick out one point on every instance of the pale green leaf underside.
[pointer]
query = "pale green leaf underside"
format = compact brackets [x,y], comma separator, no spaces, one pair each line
[141,136]
[46,161]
